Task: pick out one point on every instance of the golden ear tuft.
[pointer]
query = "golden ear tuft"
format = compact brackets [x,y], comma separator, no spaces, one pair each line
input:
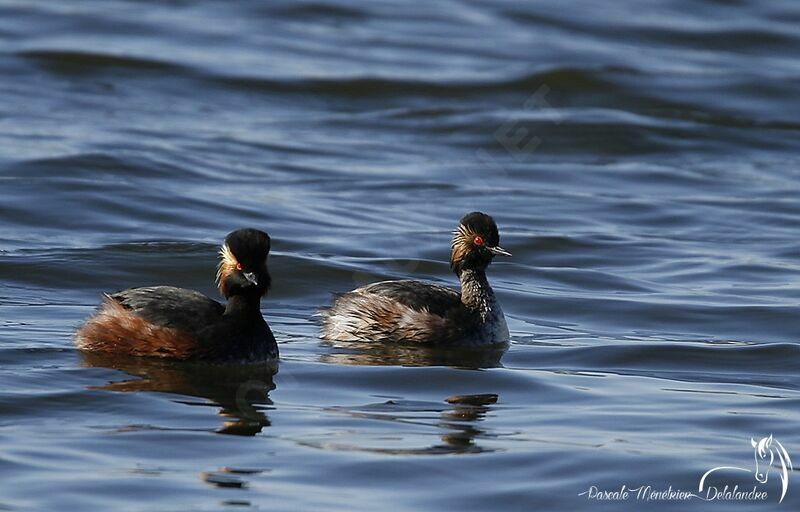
[461,245]
[227,264]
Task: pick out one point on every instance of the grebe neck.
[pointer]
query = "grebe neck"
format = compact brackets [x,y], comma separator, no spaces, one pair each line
[476,294]
[243,306]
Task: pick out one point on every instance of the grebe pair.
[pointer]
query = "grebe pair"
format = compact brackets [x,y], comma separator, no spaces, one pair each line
[168,322]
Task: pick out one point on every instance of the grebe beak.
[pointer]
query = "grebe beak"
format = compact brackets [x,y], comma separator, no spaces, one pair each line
[497,250]
[251,277]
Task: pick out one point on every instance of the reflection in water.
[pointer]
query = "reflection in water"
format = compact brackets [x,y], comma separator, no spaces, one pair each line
[459,419]
[383,354]
[466,410]
[236,389]
[231,478]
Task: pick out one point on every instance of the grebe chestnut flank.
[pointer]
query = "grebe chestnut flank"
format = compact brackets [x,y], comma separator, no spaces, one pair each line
[424,313]
[168,322]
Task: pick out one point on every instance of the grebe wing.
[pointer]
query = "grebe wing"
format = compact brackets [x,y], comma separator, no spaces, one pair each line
[392,311]
[168,306]
[417,295]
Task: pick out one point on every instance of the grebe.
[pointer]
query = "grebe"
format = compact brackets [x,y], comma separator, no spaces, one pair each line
[169,322]
[424,313]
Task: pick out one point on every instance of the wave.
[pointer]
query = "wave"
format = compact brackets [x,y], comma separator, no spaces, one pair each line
[81,61]
[540,86]
[773,365]
[562,78]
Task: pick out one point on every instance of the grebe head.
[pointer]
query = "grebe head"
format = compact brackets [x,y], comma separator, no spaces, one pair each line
[243,264]
[475,242]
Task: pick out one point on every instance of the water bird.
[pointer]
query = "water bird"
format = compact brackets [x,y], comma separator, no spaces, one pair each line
[176,323]
[424,313]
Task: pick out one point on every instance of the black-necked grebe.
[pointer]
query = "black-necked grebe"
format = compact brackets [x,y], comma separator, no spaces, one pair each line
[168,322]
[417,312]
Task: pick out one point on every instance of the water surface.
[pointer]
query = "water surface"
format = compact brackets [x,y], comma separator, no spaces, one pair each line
[639,158]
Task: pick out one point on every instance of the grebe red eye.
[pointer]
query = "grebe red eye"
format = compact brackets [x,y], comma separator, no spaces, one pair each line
[238,266]
[478,240]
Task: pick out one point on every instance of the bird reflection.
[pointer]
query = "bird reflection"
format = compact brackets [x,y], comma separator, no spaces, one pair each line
[467,409]
[239,390]
[459,417]
[383,354]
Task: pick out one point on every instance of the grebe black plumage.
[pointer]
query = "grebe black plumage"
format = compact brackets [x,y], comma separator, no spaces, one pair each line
[169,322]
[424,313]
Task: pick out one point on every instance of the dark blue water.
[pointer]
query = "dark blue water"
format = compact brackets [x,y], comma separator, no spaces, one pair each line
[640,158]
